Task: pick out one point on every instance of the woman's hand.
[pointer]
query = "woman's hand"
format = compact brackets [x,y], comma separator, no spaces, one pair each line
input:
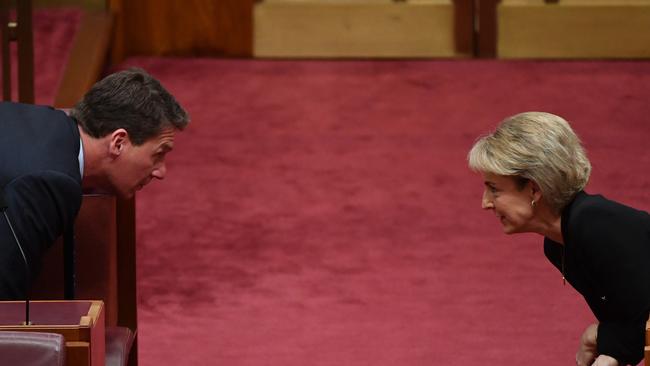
[604,360]
[586,354]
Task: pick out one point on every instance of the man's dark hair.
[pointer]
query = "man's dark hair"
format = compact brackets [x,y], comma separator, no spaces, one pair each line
[130,99]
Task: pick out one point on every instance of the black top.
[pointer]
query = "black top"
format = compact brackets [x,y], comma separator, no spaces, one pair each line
[607,259]
[39,173]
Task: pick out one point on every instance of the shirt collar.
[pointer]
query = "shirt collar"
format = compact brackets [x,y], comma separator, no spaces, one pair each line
[81,158]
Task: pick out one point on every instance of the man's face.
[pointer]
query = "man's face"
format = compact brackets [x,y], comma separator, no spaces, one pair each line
[137,165]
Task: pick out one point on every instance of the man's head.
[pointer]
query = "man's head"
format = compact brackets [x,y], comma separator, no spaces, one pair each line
[131,120]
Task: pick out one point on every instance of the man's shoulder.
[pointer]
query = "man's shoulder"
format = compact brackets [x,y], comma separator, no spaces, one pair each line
[35,138]
[21,112]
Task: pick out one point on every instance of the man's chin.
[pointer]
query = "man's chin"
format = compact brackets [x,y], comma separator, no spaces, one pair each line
[127,196]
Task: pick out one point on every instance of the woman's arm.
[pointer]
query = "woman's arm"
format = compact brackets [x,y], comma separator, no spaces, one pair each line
[587,354]
[614,248]
[587,351]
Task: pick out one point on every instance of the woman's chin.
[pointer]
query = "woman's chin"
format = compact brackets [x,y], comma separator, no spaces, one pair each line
[509,229]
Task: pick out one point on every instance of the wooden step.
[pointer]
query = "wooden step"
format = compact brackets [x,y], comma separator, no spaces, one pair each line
[354,28]
[573,29]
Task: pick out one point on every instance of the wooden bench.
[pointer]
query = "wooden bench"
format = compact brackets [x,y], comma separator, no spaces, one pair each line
[573,29]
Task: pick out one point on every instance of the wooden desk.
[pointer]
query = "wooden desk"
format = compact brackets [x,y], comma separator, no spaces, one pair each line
[81,322]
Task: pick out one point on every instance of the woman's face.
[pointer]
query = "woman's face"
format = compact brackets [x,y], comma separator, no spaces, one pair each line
[510,202]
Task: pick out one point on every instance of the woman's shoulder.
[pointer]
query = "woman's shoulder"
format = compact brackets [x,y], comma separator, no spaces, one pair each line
[597,211]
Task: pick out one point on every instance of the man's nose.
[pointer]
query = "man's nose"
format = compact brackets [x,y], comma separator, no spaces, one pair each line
[160,172]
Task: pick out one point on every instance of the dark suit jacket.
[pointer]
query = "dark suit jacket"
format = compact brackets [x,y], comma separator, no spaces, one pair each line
[39,173]
[607,259]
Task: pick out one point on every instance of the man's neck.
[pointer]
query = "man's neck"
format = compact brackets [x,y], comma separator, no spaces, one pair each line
[92,162]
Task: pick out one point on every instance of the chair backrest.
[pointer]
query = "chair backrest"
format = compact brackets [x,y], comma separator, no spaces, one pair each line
[32,349]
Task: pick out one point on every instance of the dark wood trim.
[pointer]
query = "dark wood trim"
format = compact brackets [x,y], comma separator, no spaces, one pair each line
[127,299]
[87,58]
[19,31]
[25,42]
[487,29]
[465,36]
[5,49]
[126,253]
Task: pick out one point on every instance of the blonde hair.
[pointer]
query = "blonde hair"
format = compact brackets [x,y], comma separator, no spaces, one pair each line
[538,146]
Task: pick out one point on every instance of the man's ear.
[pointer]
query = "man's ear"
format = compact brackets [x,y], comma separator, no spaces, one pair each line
[118,141]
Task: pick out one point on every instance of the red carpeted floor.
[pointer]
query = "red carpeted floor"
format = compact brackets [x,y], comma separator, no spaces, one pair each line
[321,213]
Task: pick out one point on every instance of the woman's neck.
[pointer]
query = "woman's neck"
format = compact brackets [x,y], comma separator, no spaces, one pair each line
[549,224]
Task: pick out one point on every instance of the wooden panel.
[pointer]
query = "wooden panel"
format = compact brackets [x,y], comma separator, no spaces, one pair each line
[574,29]
[96,258]
[95,231]
[323,28]
[16,21]
[486,13]
[5,49]
[25,42]
[85,4]
[77,353]
[127,306]
[189,28]
[126,253]
[85,338]
[87,58]
[464,27]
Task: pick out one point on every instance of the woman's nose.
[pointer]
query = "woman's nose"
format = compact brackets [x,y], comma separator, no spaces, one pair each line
[486,202]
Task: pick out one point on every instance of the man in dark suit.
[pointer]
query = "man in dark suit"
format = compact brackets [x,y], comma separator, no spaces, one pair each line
[114,141]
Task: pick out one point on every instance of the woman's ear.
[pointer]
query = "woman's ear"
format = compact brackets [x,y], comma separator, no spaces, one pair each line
[535,191]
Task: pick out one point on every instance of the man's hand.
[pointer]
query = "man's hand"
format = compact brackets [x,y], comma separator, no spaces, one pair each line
[587,351]
[604,360]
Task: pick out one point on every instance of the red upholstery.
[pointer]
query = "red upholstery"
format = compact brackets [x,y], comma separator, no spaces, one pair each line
[118,345]
[32,349]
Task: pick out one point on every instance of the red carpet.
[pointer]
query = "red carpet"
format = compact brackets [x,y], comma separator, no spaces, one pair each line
[321,213]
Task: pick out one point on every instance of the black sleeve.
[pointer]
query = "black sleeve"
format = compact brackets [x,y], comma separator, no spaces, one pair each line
[40,206]
[622,340]
[615,244]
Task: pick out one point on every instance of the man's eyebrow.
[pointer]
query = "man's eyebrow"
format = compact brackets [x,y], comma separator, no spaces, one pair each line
[489,184]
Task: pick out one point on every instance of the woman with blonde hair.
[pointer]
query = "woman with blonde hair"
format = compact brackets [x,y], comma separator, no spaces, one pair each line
[535,170]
